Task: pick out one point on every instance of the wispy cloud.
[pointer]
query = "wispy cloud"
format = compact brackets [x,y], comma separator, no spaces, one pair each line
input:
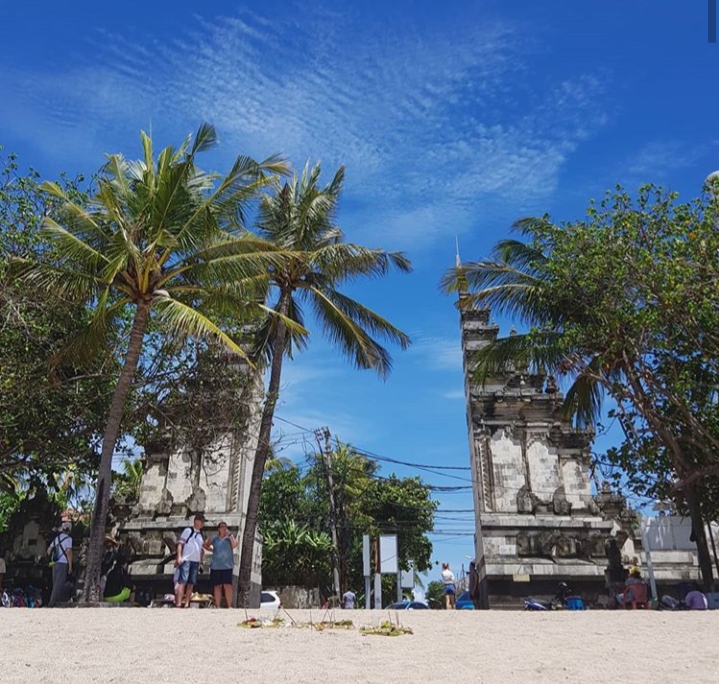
[438,353]
[428,124]
[658,159]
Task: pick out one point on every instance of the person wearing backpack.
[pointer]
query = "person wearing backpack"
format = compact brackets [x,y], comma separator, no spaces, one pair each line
[60,552]
[189,556]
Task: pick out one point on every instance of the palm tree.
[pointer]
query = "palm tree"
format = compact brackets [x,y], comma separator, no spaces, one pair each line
[160,237]
[518,281]
[299,219]
[130,481]
[511,282]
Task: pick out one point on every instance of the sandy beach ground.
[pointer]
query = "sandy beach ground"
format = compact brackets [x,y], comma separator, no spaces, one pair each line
[142,646]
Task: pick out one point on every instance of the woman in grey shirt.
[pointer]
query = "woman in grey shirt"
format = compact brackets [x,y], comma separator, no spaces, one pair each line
[223,546]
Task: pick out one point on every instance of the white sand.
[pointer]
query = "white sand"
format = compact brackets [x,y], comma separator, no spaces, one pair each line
[142,646]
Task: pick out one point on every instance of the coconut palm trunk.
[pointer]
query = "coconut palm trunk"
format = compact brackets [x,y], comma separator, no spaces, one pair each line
[109,440]
[279,345]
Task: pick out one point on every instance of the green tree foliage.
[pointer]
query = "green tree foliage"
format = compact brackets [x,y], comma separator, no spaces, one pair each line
[51,416]
[295,554]
[435,595]
[299,218]
[366,503]
[159,241]
[623,304]
[128,481]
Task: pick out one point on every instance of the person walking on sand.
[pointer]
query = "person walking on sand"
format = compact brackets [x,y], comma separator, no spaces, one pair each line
[349,598]
[223,545]
[449,590]
[189,556]
[60,552]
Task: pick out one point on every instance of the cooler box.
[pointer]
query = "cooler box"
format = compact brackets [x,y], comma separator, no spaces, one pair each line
[575,603]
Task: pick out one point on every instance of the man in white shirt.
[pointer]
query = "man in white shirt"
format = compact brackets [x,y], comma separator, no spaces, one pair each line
[348,600]
[60,552]
[189,556]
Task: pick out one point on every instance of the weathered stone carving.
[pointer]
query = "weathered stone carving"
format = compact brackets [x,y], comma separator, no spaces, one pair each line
[526,501]
[559,502]
[164,505]
[610,504]
[196,502]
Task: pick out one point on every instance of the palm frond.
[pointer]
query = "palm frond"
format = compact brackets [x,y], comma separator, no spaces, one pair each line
[346,262]
[92,340]
[70,246]
[366,318]
[352,341]
[73,285]
[266,332]
[583,401]
[184,321]
[540,352]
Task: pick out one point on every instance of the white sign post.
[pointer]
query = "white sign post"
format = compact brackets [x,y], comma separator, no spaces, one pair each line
[366,571]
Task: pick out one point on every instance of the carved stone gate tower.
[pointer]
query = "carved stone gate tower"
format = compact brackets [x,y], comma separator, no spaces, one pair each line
[205,468]
[536,519]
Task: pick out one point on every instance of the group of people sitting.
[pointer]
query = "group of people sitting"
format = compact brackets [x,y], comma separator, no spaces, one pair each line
[636,595]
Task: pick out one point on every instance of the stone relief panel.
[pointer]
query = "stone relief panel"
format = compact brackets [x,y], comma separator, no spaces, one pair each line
[507,471]
[543,467]
[554,544]
[575,476]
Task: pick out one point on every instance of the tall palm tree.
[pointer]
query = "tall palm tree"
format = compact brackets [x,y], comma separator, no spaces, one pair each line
[300,219]
[159,238]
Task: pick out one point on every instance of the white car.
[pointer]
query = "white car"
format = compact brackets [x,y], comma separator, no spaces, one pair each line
[270,599]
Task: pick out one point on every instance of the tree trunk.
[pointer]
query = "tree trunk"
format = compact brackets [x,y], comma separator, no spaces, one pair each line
[705,560]
[109,440]
[263,449]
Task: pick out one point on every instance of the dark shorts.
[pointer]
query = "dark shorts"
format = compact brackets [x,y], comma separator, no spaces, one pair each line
[188,573]
[219,577]
[449,589]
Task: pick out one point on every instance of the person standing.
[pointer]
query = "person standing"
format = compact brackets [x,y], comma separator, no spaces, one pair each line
[223,546]
[60,552]
[3,567]
[449,589]
[349,598]
[189,556]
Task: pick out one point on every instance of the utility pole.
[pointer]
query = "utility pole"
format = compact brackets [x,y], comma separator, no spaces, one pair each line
[333,510]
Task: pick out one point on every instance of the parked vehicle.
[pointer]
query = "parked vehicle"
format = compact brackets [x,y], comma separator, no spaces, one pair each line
[559,601]
[464,602]
[408,605]
[270,599]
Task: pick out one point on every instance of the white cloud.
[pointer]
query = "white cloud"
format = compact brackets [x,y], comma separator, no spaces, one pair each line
[428,123]
[438,353]
[657,159]
[454,394]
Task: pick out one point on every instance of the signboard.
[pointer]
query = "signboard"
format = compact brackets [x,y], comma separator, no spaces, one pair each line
[407,578]
[388,554]
[365,555]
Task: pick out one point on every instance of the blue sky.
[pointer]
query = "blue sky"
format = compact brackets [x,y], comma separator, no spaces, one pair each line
[454,119]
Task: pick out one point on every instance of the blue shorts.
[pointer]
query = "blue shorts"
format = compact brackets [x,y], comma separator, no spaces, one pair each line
[449,589]
[188,572]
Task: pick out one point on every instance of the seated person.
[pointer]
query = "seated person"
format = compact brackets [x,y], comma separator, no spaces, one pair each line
[695,599]
[628,595]
[118,587]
